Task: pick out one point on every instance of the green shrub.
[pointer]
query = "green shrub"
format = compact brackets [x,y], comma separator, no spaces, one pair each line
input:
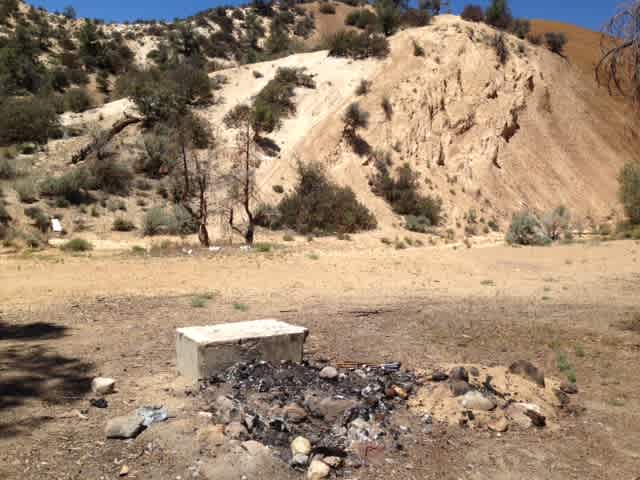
[8,170]
[388,13]
[402,193]
[525,229]
[319,205]
[521,28]
[123,225]
[629,190]
[556,222]
[498,14]
[327,8]
[76,100]
[358,45]
[500,46]
[362,19]
[176,221]
[363,87]
[27,190]
[31,119]
[413,17]
[111,176]
[555,42]
[157,220]
[40,219]
[77,245]
[73,186]
[472,13]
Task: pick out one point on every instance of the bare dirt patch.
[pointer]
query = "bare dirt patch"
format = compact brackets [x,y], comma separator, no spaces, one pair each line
[426,308]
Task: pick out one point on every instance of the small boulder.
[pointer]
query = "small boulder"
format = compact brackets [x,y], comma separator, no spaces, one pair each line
[459,373]
[475,400]
[400,392]
[529,371]
[318,470]
[299,460]
[500,425]
[439,377]
[103,385]
[300,446]
[537,419]
[128,426]
[295,413]
[459,388]
[328,373]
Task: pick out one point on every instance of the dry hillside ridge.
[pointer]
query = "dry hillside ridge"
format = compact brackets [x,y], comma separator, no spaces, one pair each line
[483,136]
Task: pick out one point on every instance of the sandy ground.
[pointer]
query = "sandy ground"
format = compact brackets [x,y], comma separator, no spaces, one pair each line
[67,318]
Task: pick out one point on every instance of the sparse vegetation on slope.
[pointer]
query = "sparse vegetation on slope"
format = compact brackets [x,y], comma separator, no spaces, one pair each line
[319,206]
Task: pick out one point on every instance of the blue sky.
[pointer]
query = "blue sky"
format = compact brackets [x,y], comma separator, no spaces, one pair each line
[587,13]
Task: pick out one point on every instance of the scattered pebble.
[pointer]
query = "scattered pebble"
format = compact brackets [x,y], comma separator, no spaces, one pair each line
[328,373]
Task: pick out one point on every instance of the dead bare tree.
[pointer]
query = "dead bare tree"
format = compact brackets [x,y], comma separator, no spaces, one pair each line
[242,174]
[200,174]
[619,65]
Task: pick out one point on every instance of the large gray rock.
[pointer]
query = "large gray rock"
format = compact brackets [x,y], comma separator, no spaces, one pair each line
[128,426]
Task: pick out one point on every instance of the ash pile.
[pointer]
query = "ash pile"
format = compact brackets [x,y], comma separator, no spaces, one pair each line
[315,417]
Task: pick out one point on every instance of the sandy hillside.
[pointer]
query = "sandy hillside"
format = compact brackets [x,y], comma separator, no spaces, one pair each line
[488,139]
[483,136]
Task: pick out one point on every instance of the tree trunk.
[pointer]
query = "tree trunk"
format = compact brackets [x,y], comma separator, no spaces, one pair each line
[103,140]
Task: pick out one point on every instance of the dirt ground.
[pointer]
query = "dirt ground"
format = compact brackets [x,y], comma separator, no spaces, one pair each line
[65,319]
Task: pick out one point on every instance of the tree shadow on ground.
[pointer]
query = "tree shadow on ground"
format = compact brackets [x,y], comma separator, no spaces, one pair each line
[33,371]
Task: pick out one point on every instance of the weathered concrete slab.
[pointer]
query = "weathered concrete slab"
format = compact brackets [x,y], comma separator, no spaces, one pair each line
[204,351]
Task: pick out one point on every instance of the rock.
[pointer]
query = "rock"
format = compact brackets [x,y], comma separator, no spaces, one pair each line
[299,460]
[537,419]
[212,436]
[236,431]
[103,385]
[527,370]
[500,425]
[459,388]
[255,448]
[328,373]
[439,377]
[226,409]
[300,445]
[330,409]
[459,373]
[295,413]
[333,462]
[318,470]
[124,427]
[569,388]
[124,471]
[474,372]
[98,402]
[401,392]
[475,400]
